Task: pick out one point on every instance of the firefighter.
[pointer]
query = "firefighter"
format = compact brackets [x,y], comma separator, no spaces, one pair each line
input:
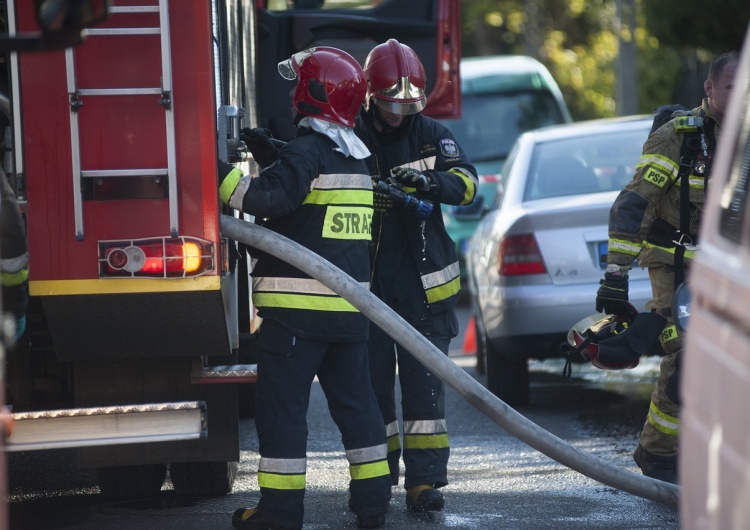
[650,221]
[14,259]
[415,266]
[317,192]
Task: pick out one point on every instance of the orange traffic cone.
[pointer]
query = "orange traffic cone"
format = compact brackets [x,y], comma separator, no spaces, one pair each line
[470,338]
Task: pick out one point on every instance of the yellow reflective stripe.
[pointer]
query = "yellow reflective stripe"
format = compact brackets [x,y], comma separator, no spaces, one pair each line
[696,182]
[11,279]
[348,222]
[394,443]
[665,164]
[623,247]
[444,291]
[440,277]
[426,441]
[663,422]
[371,470]
[363,197]
[303,301]
[689,254]
[229,184]
[294,285]
[469,180]
[281,482]
[669,334]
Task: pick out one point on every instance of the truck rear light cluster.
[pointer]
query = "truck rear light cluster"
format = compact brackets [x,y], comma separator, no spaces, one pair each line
[156,257]
[519,255]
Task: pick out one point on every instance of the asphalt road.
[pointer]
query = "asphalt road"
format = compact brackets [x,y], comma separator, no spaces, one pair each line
[497,482]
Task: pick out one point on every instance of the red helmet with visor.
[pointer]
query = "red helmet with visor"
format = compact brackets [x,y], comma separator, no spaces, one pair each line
[330,84]
[395,78]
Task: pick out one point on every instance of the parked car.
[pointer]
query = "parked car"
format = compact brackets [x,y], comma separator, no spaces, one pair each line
[502,97]
[714,456]
[535,261]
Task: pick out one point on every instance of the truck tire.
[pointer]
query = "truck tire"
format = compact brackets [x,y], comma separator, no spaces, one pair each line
[507,379]
[131,482]
[203,479]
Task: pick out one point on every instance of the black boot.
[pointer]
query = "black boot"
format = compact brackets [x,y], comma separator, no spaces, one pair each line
[421,499]
[660,467]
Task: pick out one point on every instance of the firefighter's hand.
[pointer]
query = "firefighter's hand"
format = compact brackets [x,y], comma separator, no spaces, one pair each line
[612,296]
[258,142]
[411,178]
[229,178]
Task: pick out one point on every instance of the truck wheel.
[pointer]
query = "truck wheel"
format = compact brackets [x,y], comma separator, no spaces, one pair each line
[203,479]
[507,379]
[131,482]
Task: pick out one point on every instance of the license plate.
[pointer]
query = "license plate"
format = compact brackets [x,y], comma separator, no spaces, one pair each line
[603,254]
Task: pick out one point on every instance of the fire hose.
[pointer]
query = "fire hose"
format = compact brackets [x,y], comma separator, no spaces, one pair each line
[429,355]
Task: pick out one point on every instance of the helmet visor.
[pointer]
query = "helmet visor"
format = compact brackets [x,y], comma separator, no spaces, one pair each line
[401,98]
[288,68]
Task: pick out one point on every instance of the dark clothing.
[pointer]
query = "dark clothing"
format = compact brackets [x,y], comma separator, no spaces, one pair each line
[416,273]
[14,256]
[321,199]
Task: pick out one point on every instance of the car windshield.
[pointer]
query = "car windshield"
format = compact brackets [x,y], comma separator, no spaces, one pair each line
[584,164]
[490,123]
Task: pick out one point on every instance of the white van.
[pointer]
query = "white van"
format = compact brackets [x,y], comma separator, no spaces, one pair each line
[714,455]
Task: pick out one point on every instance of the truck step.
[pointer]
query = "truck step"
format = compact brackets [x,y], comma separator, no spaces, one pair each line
[126,424]
[226,373]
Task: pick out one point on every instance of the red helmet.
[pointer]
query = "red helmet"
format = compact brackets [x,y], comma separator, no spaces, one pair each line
[395,78]
[330,84]
[616,342]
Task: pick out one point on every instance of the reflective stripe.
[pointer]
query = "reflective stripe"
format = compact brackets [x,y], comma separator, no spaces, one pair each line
[391,429]
[363,197]
[394,443]
[665,164]
[689,254]
[333,181]
[623,247]
[663,422]
[348,222]
[371,470]
[229,185]
[444,291]
[16,264]
[470,181]
[425,427]
[281,482]
[294,285]
[303,301]
[11,279]
[696,182]
[286,466]
[237,196]
[437,278]
[426,441]
[367,454]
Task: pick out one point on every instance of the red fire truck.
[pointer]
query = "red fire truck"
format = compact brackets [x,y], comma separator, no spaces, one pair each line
[134,350]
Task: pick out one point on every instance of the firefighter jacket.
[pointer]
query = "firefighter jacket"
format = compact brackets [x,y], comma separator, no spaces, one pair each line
[14,256]
[321,199]
[426,145]
[646,214]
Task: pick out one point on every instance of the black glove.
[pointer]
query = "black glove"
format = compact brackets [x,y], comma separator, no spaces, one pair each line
[612,296]
[411,178]
[258,142]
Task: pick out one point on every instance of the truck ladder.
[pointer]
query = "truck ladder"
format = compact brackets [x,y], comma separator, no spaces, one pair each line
[165,100]
[155,422]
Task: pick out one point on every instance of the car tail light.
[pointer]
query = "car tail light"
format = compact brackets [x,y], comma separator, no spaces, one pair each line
[519,255]
[156,257]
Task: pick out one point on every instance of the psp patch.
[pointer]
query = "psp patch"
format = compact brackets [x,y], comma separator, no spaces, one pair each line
[449,148]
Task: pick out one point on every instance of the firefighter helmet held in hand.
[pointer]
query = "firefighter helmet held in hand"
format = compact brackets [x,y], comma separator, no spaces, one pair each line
[396,80]
[330,84]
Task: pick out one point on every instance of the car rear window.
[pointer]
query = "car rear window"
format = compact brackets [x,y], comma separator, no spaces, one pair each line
[592,163]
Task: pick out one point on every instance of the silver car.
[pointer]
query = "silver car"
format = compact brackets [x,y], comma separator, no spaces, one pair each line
[535,260]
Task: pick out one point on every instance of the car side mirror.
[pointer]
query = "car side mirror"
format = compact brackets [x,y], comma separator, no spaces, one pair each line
[681,306]
[62,24]
[470,212]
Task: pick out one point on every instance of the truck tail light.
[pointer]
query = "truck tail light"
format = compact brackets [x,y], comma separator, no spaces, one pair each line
[519,255]
[157,257]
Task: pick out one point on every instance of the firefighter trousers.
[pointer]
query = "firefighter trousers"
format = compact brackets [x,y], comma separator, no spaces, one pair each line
[661,430]
[425,439]
[287,366]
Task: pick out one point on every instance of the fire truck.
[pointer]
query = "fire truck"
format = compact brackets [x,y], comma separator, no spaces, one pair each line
[138,345]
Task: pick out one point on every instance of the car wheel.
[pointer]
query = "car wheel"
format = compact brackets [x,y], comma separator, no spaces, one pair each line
[131,482]
[507,379]
[203,479]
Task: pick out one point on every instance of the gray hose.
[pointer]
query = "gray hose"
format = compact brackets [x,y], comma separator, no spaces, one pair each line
[472,391]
